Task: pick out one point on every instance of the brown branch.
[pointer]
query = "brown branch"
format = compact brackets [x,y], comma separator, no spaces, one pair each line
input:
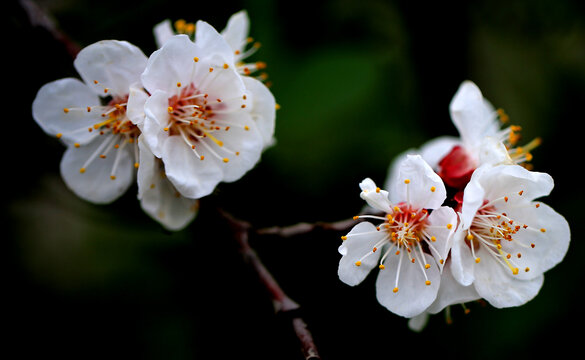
[281,301]
[303,228]
[37,16]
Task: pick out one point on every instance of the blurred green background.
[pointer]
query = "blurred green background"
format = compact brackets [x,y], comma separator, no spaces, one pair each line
[358,82]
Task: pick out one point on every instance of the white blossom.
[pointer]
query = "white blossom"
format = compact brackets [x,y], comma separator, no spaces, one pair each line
[408,244]
[507,239]
[90,117]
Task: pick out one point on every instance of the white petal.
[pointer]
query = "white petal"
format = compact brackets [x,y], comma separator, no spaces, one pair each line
[375,197]
[95,184]
[236,30]
[360,242]
[462,260]
[418,322]
[192,177]
[155,120]
[158,197]
[135,105]
[263,108]
[413,295]
[497,286]
[439,221]
[162,32]
[494,152]
[473,116]
[115,65]
[49,112]
[208,39]
[452,292]
[171,64]
[418,185]
[505,180]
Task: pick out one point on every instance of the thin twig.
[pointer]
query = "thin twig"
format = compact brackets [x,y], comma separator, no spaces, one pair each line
[37,16]
[303,228]
[282,302]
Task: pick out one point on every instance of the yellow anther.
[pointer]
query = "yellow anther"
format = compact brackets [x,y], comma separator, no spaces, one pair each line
[246,128]
[395,290]
[65,110]
[82,170]
[377,189]
[433,238]
[190,28]
[382,267]
[428,282]
[344,237]
[469,237]
[225,160]
[543,230]
[527,269]
[103,156]
[407,181]
[170,109]
[59,135]
[180,25]
[243,106]
[358,263]
[433,189]
[449,226]
[515,271]
[89,109]
[427,266]
[277,106]
[196,59]
[202,157]
[136,165]
[477,260]
[77,145]
[166,129]
[356,217]
[179,84]
[225,66]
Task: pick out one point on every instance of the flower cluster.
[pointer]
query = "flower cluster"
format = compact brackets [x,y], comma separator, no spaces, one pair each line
[178,122]
[459,221]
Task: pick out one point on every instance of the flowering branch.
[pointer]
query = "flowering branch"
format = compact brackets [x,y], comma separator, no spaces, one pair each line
[282,302]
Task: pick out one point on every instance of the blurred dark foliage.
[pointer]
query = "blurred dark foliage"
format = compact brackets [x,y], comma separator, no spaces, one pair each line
[358,82]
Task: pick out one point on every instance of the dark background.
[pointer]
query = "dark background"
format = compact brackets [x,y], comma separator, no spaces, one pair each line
[358,82]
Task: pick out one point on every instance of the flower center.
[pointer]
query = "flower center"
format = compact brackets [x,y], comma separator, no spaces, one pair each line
[115,128]
[405,233]
[497,233]
[197,120]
